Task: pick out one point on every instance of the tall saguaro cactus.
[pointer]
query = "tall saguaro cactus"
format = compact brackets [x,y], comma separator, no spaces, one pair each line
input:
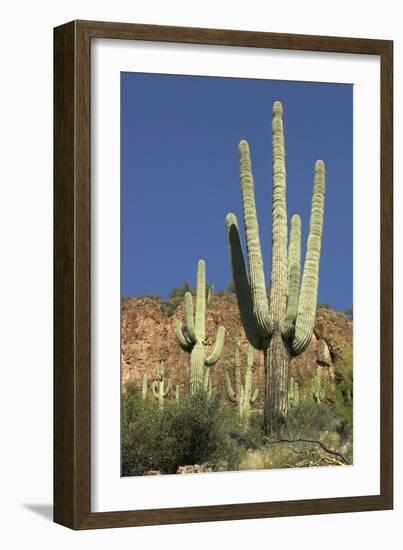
[282,326]
[242,394]
[192,336]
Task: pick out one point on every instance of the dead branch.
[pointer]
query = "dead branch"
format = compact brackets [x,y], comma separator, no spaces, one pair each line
[314,442]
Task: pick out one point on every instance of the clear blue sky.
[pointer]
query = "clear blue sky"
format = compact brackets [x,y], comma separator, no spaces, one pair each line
[180,174]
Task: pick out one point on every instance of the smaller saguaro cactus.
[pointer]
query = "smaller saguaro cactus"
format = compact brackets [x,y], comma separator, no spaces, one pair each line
[177,393]
[296,394]
[242,394]
[144,386]
[318,390]
[192,336]
[210,294]
[159,391]
[293,393]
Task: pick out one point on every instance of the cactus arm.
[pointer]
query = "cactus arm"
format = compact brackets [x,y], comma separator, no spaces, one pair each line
[228,386]
[257,281]
[254,397]
[167,390]
[201,301]
[241,282]
[310,278]
[279,269]
[182,337]
[210,389]
[294,274]
[189,317]
[206,379]
[219,344]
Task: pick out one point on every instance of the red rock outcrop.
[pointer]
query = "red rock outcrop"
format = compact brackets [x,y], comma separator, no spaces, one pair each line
[147,336]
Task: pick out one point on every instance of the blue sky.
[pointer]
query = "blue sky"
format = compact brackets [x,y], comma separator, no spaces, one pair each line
[180,175]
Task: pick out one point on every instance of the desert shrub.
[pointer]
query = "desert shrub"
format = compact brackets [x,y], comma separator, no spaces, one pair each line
[155,297]
[175,297]
[325,305]
[349,312]
[309,419]
[140,426]
[168,307]
[202,432]
[342,409]
[344,374]
[230,286]
[132,388]
[194,431]
[341,395]
[251,435]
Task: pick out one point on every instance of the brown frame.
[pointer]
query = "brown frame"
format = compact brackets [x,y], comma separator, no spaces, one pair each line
[72,320]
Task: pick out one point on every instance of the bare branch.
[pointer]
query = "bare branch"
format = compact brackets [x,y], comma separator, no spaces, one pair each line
[313,441]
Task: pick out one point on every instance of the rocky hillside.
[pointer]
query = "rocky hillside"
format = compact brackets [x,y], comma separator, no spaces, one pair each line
[148,335]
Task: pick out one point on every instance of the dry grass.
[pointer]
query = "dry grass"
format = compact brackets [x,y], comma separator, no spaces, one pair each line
[288,455]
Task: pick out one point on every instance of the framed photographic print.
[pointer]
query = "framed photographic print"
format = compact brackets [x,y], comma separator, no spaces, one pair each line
[223,275]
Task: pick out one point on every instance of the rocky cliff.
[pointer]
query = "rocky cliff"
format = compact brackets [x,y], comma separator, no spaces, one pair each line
[148,335]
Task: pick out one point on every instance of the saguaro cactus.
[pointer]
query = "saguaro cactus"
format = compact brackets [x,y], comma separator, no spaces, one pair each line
[242,394]
[318,389]
[144,387]
[282,326]
[159,391]
[192,336]
[293,393]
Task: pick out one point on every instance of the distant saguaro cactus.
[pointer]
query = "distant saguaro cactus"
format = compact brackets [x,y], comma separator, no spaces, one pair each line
[144,386]
[158,387]
[281,326]
[242,394]
[192,336]
[293,393]
[318,389]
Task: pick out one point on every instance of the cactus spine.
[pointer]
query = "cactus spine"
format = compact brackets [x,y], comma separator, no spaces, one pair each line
[283,326]
[242,395]
[159,391]
[192,336]
[144,387]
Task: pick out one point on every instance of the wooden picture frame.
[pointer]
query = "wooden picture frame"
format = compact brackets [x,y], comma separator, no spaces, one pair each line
[72,270]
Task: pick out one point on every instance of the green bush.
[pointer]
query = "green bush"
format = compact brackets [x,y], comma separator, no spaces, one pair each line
[194,431]
[176,296]
[308,419]
[252,435]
